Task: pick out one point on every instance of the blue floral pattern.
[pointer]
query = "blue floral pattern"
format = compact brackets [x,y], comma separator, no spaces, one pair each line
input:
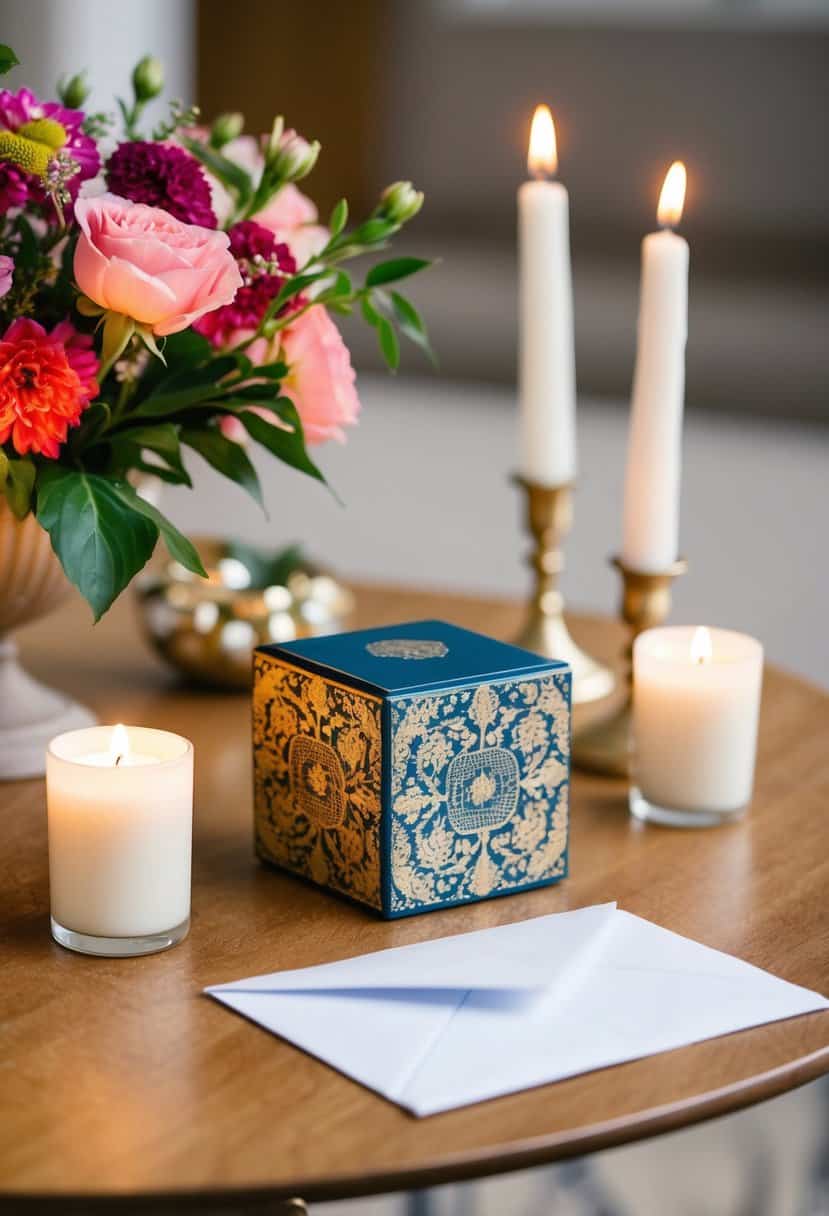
[479,791]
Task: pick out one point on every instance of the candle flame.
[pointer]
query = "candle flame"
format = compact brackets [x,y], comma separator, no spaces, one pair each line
[542,157]
[701,648]
[119,744]
[672,197]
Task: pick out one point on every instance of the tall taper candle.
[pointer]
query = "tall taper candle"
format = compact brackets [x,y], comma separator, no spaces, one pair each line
[547,373]
[650,535]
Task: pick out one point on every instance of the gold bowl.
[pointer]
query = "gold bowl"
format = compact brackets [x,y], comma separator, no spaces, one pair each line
[208,628]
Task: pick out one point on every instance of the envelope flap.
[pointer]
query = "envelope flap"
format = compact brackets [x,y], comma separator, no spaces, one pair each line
[526,955]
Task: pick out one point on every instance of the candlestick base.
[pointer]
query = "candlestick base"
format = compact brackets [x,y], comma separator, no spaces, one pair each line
[118,947]
[549,514]
[549,636]
[604,747]
[673,817]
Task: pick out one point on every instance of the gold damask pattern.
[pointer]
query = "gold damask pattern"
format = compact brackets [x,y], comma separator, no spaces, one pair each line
[479,791]
[317,776]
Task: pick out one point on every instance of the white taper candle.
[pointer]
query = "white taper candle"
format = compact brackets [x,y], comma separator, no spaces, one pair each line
[547,375]
[650,536]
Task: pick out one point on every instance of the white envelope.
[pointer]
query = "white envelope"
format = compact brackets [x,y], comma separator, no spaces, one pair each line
[448,1022]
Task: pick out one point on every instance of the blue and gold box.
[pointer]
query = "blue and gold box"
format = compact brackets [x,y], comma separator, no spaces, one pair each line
[412,767]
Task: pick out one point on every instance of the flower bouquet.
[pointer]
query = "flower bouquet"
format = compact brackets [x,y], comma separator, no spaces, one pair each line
[168,291]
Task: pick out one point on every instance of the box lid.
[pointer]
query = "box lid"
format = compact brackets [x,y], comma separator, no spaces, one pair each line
[413,657]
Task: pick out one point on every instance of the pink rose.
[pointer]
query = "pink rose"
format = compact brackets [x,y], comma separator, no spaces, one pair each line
[321,379]
[6,273]
[291,217]
[143,263]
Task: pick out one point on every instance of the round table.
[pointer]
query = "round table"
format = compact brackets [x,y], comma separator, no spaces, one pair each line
[121,1081]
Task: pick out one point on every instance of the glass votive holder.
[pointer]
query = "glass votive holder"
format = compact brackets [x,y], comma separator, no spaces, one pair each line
[120,814]
[696,704]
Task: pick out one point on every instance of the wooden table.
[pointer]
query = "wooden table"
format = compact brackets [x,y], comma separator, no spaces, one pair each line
[118,1079]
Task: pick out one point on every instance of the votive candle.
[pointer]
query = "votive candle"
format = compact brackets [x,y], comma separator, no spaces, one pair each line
[696,703]
[120,808]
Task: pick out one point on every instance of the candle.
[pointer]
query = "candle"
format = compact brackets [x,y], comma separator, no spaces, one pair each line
[651,506]
[547,365]
[120,808]
[696,702]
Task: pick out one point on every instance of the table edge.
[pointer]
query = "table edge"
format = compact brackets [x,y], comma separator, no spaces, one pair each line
[463,1167]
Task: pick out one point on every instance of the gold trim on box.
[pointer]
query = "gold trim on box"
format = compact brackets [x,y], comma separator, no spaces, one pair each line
[317,778]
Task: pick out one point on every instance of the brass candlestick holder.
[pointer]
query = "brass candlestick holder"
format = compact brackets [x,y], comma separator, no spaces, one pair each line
[549,519]
[604,747]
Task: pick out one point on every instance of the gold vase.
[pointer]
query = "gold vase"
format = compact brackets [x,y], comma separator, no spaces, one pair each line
[32,583]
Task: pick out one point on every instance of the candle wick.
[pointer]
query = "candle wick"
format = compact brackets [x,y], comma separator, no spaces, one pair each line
[118,760]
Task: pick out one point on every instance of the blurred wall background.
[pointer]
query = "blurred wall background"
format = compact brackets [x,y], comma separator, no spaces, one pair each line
[55,39]
[442,91]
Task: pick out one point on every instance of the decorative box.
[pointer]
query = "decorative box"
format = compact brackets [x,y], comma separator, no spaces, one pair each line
[412,767]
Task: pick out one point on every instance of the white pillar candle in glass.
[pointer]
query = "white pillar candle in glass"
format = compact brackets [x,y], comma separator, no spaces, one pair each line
[650,529]
[547,361]
[120,812]
[696,703]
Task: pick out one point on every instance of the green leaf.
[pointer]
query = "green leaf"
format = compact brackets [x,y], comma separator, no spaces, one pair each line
[179,546]
[8,59]
[4,467]
[163,440]
[339,218]
[389,343]
[94,422]
[20,480]
[271,371]
[292,288]
[227,171]
[370,313]
[102,541]
[175,400]
[187,349]
[256,393]
[396,268]
[148,338]
[287,445]
[373,231]
[411,324]
[134,460]
[339,288]
[226,457]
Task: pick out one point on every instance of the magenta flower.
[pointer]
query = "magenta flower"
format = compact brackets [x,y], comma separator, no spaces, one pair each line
[249,241]
[162,175]
[80,355]
[14,187]
[17,109]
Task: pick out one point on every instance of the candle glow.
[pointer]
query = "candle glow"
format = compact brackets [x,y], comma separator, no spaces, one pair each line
[542,156]
[119,744]
[672,196]
[701,648]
